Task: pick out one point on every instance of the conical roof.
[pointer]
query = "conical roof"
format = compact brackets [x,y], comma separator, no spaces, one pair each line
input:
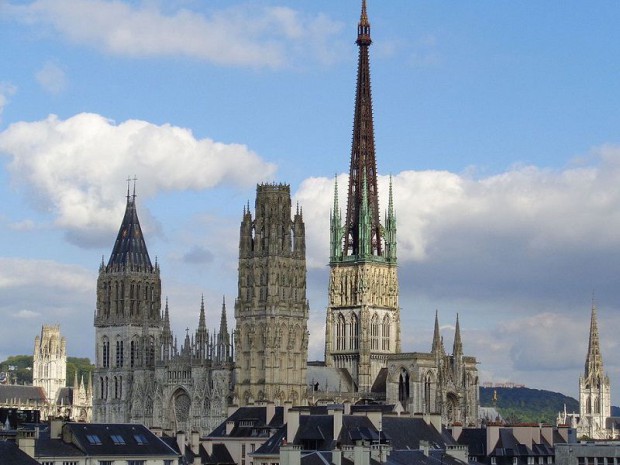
[130,248]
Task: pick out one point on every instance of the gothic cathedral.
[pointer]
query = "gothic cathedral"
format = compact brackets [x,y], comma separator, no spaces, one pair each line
[142,376]
[271,310]
[362,332]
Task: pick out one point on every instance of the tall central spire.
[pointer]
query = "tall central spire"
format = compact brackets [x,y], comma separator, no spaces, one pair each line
[363,170]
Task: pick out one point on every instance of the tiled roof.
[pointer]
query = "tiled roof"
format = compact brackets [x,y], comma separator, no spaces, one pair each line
[272,445]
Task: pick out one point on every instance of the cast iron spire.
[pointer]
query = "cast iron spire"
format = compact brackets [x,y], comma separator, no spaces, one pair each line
[363,170]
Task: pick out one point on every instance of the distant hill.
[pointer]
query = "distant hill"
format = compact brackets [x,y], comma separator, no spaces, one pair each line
[524,405]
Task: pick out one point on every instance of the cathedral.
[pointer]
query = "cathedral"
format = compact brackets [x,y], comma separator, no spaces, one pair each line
[142,375]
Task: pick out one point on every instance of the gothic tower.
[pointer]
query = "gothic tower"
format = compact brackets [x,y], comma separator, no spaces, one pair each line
[363,317]
[128,323]
[49,369]
[594,389]
[271,337]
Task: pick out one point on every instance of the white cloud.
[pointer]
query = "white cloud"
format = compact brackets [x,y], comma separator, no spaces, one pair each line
[517,254]
[52,78]
[6,90]
[36,292]
[75,167]
[239,36]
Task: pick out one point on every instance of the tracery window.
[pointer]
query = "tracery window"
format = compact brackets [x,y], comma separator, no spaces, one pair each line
[106,353]
[374,332]
[355,329]
[385,333]
[340,332]
[119,354]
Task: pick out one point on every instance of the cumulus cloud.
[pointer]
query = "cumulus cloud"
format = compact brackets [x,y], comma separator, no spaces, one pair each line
[75,167]
[246,35]
[517,254]
[52,78]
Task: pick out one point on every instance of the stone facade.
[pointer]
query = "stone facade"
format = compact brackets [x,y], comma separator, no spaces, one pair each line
[49,369]
[271,337]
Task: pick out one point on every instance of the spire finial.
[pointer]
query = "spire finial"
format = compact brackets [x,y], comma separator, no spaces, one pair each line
[128,184]
[134,187]
[363,29]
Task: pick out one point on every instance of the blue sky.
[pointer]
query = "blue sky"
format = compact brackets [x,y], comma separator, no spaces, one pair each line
[498,121]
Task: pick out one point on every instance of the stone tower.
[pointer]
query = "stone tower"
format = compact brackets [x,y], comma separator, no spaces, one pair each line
[271,336]
[49,369]
[594,389]
[363,317]
[128,323]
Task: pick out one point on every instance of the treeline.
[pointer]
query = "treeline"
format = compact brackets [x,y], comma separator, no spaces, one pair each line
[19,369]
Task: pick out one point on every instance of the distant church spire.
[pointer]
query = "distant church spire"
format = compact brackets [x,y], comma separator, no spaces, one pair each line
[594,359]
[363,167]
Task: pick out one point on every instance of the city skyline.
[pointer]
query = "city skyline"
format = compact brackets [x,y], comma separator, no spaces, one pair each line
[498,125]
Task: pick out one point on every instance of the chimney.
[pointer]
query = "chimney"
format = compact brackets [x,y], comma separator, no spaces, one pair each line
[457,429]
[26,441]
[347,407]
[424,447]
[337,457]
[492,437]
[336,413]
[230,424]
[181,442]
[195,442]
[270,411]
[435,420]
[361,455]
[292,425]
[55,428]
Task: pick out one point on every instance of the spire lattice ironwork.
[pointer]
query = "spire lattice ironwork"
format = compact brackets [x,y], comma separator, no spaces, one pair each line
[363,168]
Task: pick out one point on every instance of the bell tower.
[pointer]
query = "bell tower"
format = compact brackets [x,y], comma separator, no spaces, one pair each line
[271,336]
[128,322]
[363,317]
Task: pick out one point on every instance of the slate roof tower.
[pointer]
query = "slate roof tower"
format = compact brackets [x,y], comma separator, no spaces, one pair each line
[128,322]
[363,318]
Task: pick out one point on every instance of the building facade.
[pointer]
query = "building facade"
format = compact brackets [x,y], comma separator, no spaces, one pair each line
[271,310]
[49,368]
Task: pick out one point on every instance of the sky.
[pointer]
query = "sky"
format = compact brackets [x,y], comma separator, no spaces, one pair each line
[499,123]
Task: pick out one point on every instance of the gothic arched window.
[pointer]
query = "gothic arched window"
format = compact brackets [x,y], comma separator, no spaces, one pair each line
[355,331]
[385,333]
[403,386]
[427,393]
[340,332]
[119,353]
[106,352]
[374,332]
